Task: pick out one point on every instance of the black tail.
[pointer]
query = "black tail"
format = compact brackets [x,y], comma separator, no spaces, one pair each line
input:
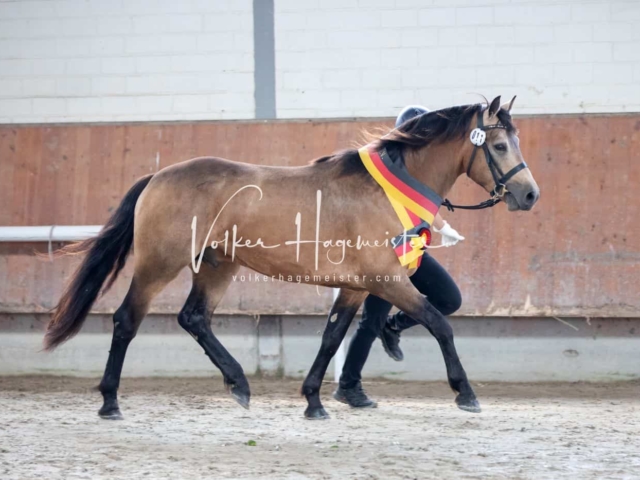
[106,256]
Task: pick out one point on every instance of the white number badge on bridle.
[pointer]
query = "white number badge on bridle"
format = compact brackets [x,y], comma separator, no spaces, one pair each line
[478,137]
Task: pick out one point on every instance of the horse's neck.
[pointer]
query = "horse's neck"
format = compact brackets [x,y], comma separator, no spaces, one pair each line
[436,166]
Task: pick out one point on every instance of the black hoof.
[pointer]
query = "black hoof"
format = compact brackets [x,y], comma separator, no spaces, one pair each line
[240,395]
[468,404]
[111,414]
[316,413]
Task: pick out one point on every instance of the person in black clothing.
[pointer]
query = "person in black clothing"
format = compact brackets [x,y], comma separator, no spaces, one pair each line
[431,279]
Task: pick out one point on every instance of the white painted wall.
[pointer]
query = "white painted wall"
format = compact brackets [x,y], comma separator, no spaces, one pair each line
[111,60]
[339,58]
[139,60]
[544,351]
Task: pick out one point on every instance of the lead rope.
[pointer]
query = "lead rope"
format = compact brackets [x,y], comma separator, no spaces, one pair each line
[486,204]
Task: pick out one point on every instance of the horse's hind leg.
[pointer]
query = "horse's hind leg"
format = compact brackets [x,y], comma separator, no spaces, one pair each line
[147,282]
[340,316]
[209,285]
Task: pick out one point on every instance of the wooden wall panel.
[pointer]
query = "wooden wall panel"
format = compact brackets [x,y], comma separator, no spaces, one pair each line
[576,253]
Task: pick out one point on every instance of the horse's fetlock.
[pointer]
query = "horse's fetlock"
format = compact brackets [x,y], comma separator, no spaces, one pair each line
[308,390]
[108,389]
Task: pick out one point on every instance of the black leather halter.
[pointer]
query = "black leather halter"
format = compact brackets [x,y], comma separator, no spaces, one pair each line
[478,138]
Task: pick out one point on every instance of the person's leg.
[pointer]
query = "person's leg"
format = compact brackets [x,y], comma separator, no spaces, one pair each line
[433,281]
[374,316]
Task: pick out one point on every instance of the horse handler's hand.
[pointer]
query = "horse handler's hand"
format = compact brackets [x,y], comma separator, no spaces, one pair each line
[449,235]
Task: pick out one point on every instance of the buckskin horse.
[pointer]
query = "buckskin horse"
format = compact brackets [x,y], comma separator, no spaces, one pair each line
[327,223]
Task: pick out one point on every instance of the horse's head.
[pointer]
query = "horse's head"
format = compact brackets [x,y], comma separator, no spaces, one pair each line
[501,170]
[480,140]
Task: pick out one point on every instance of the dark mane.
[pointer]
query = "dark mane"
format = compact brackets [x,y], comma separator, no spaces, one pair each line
[323,159]
[440,125]
[348,160]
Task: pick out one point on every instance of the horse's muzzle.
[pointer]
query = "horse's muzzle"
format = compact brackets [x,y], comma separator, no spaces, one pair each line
[522,199]
[530,199]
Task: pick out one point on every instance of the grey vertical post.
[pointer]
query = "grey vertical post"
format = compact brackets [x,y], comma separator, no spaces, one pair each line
[264,51]
[270,349]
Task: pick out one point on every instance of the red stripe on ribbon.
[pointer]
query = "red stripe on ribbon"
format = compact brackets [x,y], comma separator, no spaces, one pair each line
[404,248]
[403,187]
[416,220]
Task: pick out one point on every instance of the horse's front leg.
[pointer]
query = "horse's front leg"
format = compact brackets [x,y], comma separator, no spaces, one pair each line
[408,299]
[342,312]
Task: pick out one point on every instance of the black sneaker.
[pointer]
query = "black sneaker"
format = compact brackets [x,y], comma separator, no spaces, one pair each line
[391,343]
[354,397]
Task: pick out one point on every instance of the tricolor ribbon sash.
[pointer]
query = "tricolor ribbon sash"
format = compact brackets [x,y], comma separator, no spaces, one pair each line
[415,204]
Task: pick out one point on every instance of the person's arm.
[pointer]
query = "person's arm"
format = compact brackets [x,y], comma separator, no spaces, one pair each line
[449,235]
[438,222]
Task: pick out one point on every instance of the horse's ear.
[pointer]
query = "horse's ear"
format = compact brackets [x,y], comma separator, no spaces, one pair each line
[494,107]
[509,106]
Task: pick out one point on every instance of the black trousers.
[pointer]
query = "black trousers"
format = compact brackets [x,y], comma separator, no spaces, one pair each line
[432,280]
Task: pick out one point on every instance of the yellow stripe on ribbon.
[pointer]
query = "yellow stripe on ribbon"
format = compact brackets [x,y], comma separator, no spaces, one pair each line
[402,213]
[412,257]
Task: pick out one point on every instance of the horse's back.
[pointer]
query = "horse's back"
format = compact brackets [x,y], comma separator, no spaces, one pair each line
[203,188]
[196,169]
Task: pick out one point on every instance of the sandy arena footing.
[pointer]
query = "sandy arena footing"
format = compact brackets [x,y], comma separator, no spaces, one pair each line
[191,428]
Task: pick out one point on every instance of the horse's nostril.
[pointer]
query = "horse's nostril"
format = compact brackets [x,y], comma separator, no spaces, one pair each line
[531,197]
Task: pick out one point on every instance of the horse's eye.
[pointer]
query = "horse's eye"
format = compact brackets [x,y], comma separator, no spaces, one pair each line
[501,147]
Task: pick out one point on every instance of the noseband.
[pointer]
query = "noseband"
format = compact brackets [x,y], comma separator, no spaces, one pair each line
[478,137]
